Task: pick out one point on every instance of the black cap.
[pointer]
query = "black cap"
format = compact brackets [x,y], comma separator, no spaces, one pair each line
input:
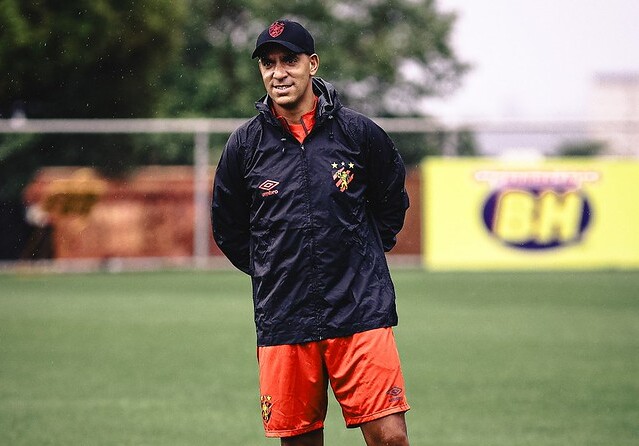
[287,33]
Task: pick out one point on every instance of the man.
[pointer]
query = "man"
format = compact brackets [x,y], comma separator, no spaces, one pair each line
[307,197]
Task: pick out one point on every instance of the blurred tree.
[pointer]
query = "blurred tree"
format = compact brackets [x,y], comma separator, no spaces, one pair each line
[121,58]
[86,58]
[415,146]
[384,57]
[581,148]
[466,143]
[81,59]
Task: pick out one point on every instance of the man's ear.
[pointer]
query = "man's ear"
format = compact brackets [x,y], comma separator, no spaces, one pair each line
[314,62]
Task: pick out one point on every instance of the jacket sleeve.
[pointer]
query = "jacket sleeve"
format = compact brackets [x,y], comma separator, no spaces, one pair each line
[387,197]
[230,206]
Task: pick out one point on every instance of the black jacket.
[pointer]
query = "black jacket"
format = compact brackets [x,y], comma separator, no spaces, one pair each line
[310,222]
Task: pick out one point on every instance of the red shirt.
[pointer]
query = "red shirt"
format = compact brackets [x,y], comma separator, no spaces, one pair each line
[304,127]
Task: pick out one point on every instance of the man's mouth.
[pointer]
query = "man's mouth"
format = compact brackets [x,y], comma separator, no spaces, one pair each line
[281,87]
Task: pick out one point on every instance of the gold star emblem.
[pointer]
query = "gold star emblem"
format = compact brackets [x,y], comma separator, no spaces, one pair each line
[334,165]
[351,165]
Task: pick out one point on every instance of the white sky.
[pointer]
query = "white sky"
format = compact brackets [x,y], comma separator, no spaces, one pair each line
[537,58]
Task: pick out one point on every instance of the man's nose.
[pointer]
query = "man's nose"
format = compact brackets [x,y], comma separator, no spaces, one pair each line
[279,71]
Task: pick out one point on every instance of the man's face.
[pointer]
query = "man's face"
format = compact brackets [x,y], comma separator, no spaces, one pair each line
[287,76]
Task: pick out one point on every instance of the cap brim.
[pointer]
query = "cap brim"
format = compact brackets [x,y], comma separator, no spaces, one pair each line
[289,45]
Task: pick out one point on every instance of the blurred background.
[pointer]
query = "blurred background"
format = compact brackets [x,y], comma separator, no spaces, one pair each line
[516,271]
[114,113]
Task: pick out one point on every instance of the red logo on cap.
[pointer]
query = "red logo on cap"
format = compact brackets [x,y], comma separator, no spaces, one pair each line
[276,29]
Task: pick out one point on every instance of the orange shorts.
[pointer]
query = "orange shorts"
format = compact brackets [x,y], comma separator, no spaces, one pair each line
[363,371]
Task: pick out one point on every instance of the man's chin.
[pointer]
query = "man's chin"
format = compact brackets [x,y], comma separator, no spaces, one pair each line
[283,101]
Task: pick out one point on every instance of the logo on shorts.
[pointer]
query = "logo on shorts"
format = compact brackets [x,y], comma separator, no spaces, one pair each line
[395,394]
[265,402]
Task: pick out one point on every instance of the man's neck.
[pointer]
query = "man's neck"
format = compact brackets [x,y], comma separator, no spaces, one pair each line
[294,115]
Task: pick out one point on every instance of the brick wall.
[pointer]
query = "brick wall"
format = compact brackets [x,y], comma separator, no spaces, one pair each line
[147,214]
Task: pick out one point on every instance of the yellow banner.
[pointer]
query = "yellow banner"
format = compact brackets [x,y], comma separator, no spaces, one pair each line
[560,213]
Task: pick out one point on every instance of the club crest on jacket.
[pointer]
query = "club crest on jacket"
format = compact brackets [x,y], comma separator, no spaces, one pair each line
[343,175]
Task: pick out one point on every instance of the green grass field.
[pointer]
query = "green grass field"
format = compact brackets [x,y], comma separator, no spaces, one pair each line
[169,359]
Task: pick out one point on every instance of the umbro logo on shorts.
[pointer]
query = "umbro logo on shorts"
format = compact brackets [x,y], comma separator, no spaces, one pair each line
[395,394]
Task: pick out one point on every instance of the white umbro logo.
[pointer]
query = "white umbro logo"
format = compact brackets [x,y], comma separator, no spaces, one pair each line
[268,184]
[269,187]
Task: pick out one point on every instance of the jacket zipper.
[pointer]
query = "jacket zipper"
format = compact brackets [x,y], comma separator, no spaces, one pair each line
[311,237]
[307,199]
